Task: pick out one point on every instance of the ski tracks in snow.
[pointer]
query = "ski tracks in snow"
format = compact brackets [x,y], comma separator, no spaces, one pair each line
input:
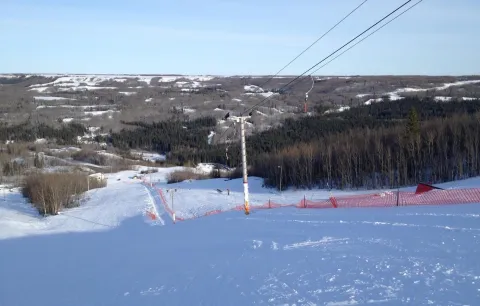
[376,266]
[154,204]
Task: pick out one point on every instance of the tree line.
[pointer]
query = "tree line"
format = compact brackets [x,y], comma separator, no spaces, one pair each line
[435,150]
[181,139]
[28,132]
[378,116]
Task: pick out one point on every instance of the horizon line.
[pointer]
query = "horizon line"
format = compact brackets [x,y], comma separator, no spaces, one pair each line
[235,75]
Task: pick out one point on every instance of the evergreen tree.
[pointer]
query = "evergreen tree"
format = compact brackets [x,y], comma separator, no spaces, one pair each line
[413,124]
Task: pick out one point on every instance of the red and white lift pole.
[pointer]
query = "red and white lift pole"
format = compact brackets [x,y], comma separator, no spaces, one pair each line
[241,119]
[244,165]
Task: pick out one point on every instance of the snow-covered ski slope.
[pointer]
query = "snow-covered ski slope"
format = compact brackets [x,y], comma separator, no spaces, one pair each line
[107,252]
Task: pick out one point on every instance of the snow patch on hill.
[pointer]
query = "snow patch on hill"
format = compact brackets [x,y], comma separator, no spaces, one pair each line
[253,89]
[337,110]
[260,113]
[363,95]
[100,112]
[210,137]
[197,78]
[50,98]
[188,110]
[370,101]
[87,82]
[91,107]
[394,95]
[148,156]
[442,99]
[10,76]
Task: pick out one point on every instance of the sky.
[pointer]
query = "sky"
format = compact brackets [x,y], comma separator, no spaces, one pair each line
[235,37]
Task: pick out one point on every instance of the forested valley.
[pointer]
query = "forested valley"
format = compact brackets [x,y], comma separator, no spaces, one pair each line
[387,144]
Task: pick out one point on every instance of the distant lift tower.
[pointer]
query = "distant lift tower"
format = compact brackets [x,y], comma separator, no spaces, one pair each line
[241,119]
[305,110]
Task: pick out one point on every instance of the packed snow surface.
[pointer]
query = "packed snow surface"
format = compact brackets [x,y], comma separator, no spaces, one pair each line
[107,252]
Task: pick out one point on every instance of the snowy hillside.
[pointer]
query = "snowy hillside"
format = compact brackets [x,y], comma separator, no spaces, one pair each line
[113,99]
[108,252]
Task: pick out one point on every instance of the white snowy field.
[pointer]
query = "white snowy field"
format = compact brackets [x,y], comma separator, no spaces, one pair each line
[107,252]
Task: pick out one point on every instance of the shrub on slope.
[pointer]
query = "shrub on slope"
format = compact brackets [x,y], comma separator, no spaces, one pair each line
[50,192]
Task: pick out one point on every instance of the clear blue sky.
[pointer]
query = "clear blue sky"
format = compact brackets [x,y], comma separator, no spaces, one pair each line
[234,36]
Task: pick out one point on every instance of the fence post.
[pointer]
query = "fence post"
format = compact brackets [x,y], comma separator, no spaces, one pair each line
[304,201]
[173,210]
[334,202]
[398,196]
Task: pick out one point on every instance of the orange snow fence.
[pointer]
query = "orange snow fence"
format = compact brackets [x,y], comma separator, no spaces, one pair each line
[166,207]
[151,215]
[433,196]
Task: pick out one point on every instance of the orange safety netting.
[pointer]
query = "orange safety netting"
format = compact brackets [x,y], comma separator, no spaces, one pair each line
[382,199]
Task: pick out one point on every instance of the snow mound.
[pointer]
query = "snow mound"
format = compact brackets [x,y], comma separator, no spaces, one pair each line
[40,140]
